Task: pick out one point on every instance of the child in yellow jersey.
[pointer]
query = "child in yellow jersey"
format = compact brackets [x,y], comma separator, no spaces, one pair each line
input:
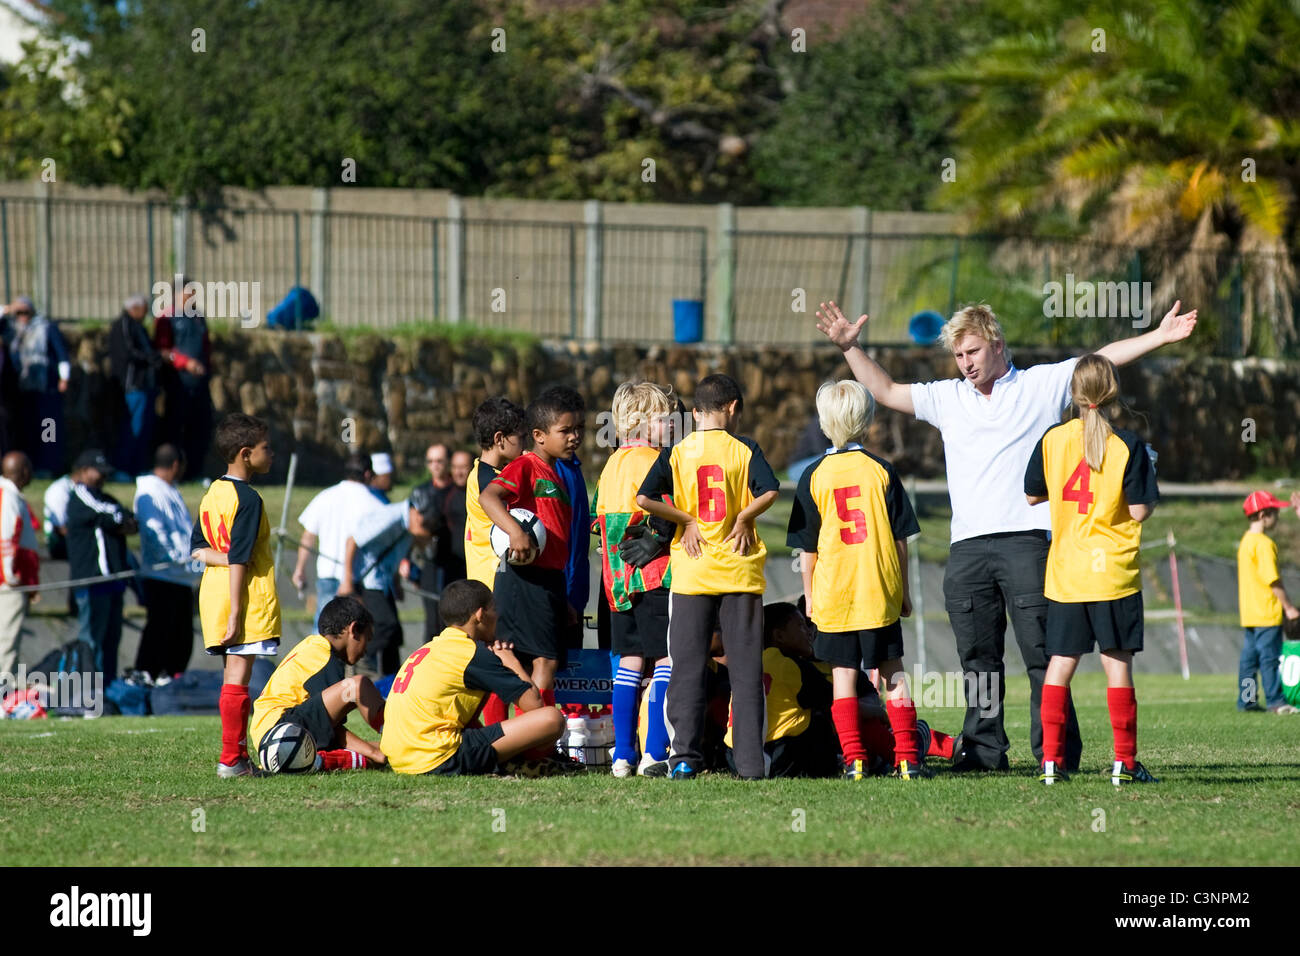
[499,427]
[310,689]
[439,691]
[1101,486]
[719,484]
[238,606]
[636,575]
[1263,603]
[851,520]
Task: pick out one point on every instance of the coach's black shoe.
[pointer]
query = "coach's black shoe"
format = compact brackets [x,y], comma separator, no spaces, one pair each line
[966,762]
[1052,772]
[1120,775]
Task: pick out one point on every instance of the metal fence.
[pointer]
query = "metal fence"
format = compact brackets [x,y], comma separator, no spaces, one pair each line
[594,280]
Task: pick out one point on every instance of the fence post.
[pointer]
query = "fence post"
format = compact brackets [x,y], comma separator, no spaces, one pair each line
[860,290]
[455,259]
[319,270]
[4,241]
[44,249]
[591,284]
[724,315]
[181,235]
[952,284]
[148,229]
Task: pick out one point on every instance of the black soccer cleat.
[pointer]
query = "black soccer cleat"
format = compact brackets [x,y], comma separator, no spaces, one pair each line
[1120,775]
[1052,772]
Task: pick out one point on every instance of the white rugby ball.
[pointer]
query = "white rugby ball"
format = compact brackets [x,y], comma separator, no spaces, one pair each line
[532,526]
[287,748]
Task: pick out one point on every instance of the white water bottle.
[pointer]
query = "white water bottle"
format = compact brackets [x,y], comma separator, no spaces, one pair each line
[577,734]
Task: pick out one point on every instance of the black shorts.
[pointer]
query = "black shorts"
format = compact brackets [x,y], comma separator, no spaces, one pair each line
[532,612]
[867,647]
[1073,629]
[642,630]
[312,716]
[474,755]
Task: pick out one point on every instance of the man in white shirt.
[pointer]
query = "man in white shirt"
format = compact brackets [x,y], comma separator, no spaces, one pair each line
[19,564]
[165,528]
[990,419]
[327,521]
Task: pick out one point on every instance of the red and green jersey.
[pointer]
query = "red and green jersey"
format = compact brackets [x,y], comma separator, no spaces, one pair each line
[531,483]
[616,511]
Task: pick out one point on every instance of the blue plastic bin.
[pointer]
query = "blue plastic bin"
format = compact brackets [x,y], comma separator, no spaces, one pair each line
[688,320]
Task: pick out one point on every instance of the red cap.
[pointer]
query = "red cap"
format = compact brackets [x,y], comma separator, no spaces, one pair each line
[1259,500]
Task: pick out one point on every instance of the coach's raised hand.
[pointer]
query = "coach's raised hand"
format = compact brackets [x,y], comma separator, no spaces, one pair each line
[832,323]
[1175,327]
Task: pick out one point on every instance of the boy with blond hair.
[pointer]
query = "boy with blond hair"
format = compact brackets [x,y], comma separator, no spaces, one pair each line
[851,520]
[636,575]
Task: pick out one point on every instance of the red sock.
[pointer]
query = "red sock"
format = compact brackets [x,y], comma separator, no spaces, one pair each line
[940,745]
[902,721]
[342,760]
[844,714]
[1056,697]
[1124,722]
[234,705]
[494,710]
[878,737]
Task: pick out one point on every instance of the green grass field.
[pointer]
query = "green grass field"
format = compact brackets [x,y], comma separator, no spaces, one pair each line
[143,792]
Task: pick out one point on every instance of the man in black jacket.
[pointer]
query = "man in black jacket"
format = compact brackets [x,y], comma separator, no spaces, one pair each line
[97,531]
[135,367]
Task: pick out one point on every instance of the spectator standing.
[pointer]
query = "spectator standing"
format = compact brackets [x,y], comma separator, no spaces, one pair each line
[326,522]
[165,528]
[41,358]
[97,530]
[19,564]
[379,541]
[425,569]
[180,335]
[134,368]
[381,476]
[452,557]
[55,506]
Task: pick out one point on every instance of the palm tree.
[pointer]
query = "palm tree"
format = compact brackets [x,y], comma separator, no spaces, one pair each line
[1165,125]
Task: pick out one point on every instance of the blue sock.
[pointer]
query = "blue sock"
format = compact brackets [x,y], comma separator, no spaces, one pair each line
[656,738]
[626,684]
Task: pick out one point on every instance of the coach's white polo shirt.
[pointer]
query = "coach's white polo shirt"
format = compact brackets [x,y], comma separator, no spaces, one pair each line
[330,516]
[987,443]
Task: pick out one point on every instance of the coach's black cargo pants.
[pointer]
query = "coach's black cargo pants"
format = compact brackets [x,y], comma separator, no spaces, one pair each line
[692,619]
[986,578]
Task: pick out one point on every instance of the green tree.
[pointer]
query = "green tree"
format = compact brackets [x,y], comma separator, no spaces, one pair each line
[1164,124]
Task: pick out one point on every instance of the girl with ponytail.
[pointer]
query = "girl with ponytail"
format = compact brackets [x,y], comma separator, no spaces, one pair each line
[1101,486]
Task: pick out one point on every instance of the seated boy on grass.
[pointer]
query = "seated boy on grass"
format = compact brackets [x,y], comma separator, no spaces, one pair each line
[309,689]
[440,689]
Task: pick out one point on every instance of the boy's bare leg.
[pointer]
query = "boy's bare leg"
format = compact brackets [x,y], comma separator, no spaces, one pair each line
[238,669]
[537,728]
[543,673]
[356,692]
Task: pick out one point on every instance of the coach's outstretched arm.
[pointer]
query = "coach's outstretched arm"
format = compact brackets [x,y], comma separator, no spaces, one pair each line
[1173,328]
[891,394]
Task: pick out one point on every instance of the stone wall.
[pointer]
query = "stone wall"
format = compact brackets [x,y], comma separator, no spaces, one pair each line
[401,394]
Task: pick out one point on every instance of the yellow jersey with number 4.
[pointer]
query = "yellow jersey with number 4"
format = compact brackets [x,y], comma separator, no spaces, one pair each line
[1095,542]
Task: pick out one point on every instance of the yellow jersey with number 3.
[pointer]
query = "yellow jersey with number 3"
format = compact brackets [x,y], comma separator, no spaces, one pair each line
[712,475]
[1095,542]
